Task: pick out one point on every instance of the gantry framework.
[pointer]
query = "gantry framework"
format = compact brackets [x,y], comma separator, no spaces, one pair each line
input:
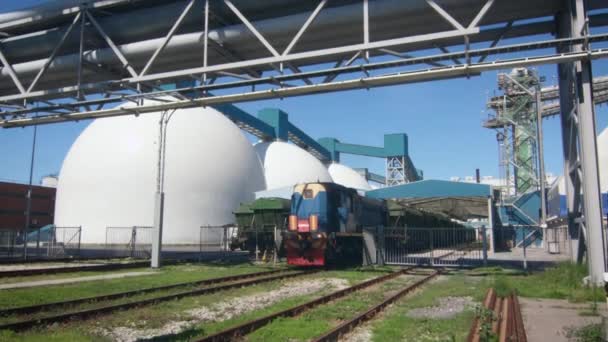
[72,63]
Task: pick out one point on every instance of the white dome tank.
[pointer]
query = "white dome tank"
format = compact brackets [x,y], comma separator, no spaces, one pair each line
[344,175]
[602,153]
[109,175]
[287,165]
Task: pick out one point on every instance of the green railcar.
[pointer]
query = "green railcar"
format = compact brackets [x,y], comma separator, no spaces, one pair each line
[256,223]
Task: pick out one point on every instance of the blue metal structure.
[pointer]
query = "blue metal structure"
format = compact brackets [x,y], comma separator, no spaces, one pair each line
[271,124]
[399,166]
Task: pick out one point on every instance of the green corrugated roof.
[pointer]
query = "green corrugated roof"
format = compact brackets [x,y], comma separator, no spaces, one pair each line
[244,208]
[432,188]
[271,203]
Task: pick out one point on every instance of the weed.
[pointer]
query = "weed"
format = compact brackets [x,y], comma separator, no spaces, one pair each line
[588,333]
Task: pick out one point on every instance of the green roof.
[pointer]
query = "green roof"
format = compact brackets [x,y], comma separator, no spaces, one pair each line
[432,188]
[271,203]
[244,208]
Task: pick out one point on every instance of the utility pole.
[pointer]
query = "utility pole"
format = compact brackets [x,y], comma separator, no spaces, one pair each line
[159,196]
[28,210]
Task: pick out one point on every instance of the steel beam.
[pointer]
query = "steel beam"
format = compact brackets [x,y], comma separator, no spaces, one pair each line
[446,15]
[162,46]
[251,28]
[54,53]
[304,27]
[11,72]
[362,83]
[579,145]
[327,72]
[115,49]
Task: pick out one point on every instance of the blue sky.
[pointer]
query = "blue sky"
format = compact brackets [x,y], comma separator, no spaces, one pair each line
[442,119]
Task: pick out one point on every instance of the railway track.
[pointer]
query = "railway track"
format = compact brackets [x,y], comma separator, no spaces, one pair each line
[502,319]
[347,326]
[24,310]
[248,327]
[231,283]
[88,268]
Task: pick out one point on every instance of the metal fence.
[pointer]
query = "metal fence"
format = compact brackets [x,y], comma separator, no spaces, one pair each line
[435,246]
[43,243]
[134,242]
[215,238]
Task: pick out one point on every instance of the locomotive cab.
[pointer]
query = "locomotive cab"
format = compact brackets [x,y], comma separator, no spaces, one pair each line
[326,222]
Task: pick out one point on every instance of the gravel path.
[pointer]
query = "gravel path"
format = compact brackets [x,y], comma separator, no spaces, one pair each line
[448,307]
[228,309]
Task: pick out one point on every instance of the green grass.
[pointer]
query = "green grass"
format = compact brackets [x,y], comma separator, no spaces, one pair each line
[156,316]
[395,325]
[319,320]
[168,275]
[564,281]
[13,280]
[588,333]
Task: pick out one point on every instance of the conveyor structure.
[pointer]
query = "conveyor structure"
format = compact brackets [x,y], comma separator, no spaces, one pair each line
[399,166]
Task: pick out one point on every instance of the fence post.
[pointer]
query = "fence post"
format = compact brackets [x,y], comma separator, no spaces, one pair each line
[524,232]
[274,244]
[484,241]
[38,244]
[133,238]
[79,240]
[431,246]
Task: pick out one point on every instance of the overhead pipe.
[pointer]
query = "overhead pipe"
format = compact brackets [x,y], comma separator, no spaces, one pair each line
[184,50]
[154,22]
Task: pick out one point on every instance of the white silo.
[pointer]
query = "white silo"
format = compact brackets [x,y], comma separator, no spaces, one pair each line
[109,175]
[602,152]
[344,175]
[287,165]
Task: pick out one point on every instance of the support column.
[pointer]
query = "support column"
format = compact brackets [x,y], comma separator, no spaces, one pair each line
[157,239]
[580,145]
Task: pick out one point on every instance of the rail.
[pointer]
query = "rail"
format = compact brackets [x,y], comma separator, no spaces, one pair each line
[86,313]
[499,317]
[233,333]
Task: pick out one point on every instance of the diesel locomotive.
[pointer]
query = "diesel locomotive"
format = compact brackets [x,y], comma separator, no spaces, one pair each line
[326,222]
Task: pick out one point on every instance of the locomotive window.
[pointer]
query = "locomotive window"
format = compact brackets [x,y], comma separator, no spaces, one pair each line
[308,193]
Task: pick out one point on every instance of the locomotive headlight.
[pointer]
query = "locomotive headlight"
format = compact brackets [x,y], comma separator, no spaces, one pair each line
[313,221]
[293,222]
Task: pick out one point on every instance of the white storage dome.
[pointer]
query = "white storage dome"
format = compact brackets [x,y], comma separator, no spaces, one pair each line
[344,175]
[109,175]
[287,165]
[602,151]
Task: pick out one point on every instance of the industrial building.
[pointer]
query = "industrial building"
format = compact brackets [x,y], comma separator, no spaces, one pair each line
[13,206]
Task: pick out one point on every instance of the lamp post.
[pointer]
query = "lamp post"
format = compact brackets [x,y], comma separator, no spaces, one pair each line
[159,196]
[28,209]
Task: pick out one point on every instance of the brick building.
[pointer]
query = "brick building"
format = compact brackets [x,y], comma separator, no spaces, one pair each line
[13,205]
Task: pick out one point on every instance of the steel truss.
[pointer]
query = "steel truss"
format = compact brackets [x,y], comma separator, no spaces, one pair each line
[284,66]
[579,144]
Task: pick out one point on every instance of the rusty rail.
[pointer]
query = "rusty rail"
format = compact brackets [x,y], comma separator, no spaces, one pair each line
[505,321]
[87,313]
[112,296]
[234,333]
[344,328]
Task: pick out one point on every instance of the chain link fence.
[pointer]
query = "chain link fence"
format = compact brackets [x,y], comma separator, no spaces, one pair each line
[48,242]
[435,246]
[133,242]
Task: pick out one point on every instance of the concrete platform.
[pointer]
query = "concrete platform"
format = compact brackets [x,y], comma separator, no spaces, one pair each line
[548,319]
